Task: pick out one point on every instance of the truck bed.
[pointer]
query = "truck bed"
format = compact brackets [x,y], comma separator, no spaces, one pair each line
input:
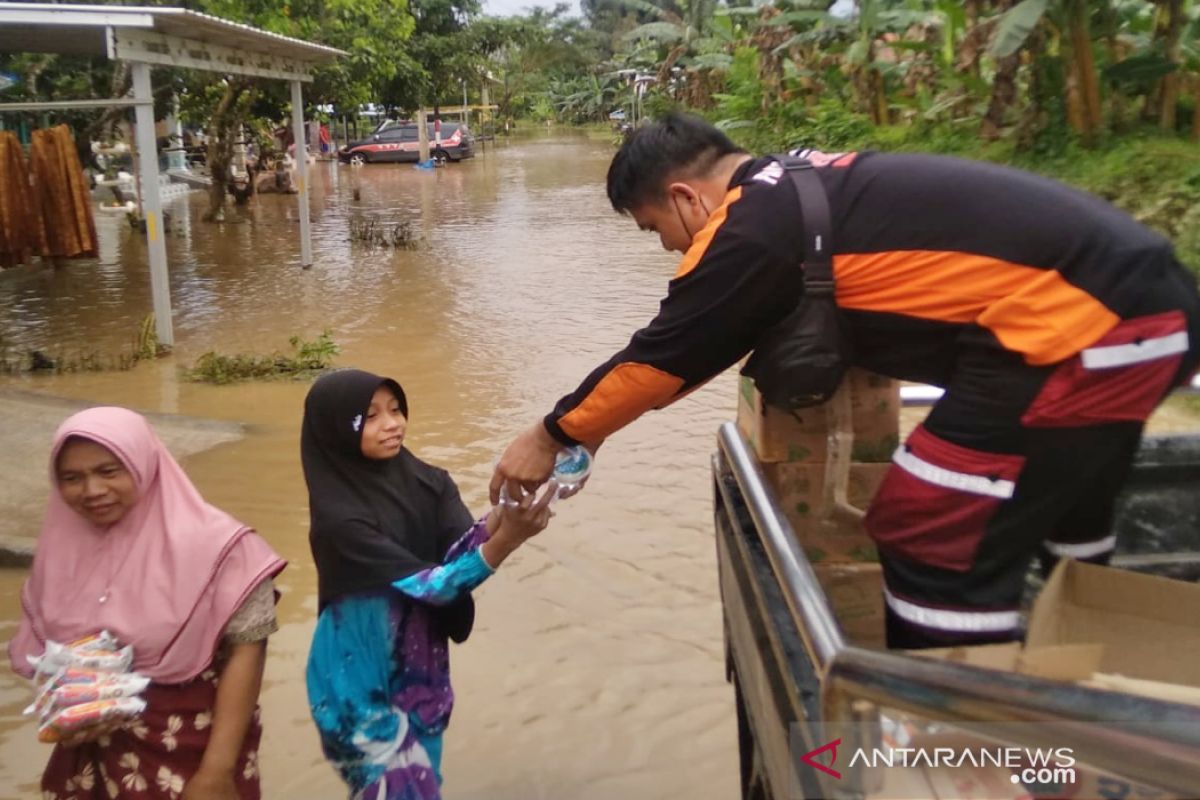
[788,660]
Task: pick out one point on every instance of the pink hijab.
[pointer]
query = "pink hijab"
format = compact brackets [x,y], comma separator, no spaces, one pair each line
[175,569]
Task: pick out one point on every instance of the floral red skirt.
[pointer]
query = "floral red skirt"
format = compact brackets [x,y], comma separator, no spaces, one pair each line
[153,757]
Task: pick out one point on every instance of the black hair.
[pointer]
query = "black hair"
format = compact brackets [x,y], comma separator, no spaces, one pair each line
[679,145]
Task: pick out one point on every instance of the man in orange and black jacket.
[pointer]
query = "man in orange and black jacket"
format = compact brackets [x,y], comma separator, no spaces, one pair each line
[1055,323]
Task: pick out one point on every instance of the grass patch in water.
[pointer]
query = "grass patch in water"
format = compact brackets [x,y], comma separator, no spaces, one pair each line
[144,347]
[401,234]
[307,358]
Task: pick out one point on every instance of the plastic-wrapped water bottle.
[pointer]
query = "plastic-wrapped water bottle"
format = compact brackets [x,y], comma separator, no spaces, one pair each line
[572,467]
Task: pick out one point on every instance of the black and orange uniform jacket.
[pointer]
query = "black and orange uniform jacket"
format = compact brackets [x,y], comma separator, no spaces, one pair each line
[1055,322]
[924,246]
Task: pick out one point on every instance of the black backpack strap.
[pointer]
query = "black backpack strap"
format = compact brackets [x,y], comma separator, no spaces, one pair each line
[814,212]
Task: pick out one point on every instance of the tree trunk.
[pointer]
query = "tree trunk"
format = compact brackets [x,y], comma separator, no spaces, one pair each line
[1118,102]
[222,126]
[1083,67]
[1034,112]
[974,41]
[1004,88]
[1172,32]
[1196,108]
[100,126]
[1075,114]
[34,69]
[869,86]
[880,109]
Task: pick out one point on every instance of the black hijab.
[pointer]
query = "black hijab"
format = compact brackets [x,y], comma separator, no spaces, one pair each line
[373,522]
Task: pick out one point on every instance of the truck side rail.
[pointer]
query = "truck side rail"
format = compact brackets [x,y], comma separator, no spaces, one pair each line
[1157,743]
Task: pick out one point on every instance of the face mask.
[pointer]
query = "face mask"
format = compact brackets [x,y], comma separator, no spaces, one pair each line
[675,199]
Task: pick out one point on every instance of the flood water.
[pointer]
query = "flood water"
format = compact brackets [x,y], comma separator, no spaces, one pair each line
[596,669]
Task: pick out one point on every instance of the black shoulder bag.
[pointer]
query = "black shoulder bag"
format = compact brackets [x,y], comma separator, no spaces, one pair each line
[801,360]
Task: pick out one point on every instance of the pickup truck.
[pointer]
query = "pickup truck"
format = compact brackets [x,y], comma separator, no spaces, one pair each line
[789,661]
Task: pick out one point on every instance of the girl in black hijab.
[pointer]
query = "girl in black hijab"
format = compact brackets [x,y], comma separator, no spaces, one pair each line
[397,556]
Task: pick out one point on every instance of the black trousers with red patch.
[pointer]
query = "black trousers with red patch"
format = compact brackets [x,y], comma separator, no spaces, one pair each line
[1017,462]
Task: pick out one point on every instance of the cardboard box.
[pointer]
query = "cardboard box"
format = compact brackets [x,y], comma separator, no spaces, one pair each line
[1053,662]
[1147,626]
[800,489]
[777,435]
[855,592]
[875,403]
[1092,620]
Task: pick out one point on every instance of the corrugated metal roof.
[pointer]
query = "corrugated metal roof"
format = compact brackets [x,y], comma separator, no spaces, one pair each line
[83,30]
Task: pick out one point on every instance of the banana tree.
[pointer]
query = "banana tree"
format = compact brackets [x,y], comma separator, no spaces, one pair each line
[677,29]
[1067,24]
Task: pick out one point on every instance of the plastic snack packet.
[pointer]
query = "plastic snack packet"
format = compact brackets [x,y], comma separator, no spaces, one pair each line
[108,687]
[64,677]
[101,660]
[97,641]
[59,656]
[69,721]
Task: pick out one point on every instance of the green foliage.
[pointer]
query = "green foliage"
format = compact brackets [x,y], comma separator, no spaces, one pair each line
[1152,176]
[440,55]
[741,104]
[1140,70]
[373,32]
[1016,25]
[829,124]
[306,358]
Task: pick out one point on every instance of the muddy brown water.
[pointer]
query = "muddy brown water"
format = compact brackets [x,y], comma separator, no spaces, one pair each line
[596,669]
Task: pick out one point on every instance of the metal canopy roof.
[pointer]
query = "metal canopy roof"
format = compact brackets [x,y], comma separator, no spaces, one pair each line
[172,37]
[163,36]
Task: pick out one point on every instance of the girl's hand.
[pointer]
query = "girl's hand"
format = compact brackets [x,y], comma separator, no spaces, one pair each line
[515,524]
[529,517]
[210,785]
[573,489]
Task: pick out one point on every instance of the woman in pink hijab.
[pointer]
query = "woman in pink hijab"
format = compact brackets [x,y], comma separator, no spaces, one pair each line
[129,546]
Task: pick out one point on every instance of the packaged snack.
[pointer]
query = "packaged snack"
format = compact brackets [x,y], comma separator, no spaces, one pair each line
[74,719]
[104,660]
[64,677]
[127,685]
[59,656]
[97,641]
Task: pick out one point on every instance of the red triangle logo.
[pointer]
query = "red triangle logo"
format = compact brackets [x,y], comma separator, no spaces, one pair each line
[807,758]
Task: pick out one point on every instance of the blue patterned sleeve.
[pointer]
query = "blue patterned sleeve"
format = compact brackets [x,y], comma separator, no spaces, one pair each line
[463,570]
[473,538]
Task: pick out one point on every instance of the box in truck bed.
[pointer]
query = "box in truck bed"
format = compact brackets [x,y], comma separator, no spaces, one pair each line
[779,436]
[1092,621]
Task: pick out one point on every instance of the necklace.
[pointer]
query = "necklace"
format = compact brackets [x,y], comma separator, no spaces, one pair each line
[112,571]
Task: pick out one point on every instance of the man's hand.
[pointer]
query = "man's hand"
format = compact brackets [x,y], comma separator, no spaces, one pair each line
[526,464]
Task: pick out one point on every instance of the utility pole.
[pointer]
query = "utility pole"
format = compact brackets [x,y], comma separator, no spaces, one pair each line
[422,136]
